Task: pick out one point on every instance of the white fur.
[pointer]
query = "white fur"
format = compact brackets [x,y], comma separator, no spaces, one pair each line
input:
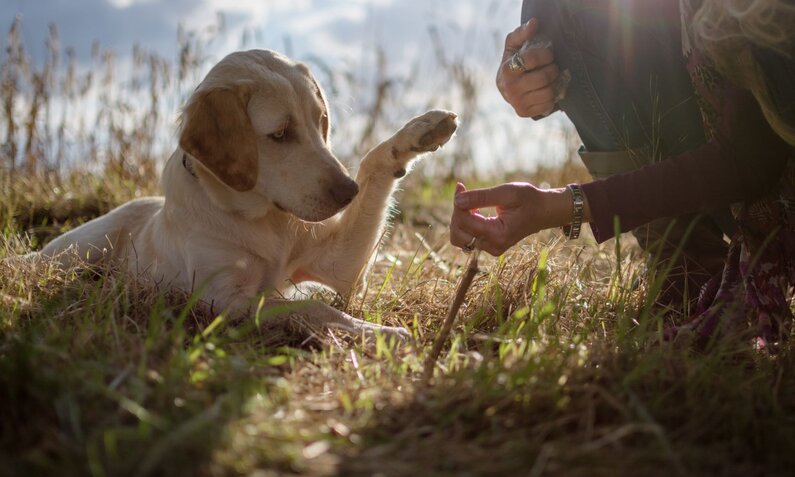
[286,228]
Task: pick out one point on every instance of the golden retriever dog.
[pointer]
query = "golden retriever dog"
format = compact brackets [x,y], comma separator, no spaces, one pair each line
[253,197]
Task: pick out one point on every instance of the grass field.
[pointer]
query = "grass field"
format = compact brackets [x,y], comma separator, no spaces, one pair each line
[553,369]
[555,366]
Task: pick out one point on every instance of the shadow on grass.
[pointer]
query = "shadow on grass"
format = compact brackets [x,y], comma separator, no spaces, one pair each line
[626,410]
[102,377]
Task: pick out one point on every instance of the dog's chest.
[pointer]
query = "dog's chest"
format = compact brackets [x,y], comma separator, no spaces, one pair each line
[267,268]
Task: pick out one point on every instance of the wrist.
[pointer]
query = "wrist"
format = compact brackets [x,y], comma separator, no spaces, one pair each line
[558,207]
[561,208]
[566,199]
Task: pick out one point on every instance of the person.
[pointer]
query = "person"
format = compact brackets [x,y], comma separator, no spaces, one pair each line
[683,108]
[632,103]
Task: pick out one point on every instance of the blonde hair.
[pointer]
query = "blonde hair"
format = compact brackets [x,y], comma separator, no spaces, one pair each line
[726,31]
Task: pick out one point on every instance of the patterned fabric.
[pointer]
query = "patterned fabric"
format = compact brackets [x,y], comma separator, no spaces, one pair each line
[707,79]
[752,291]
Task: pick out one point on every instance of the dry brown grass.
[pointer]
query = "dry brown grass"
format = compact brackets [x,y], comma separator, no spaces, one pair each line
[547,373]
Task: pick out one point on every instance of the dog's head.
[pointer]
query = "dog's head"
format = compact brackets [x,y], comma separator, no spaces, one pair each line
[259,125]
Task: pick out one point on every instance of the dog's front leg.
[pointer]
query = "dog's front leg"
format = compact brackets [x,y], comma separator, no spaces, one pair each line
[310,317]
[238,291]
[351,240]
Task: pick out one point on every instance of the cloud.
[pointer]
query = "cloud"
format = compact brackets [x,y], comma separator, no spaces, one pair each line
[325,28]
[117,25]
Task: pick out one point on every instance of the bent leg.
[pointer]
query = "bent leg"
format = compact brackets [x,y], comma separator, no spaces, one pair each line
[314,317]
[632,103]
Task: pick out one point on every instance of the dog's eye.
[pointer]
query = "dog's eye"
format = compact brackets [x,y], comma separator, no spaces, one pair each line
[280,135]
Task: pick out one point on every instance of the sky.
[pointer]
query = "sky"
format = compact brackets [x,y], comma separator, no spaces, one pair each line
[311,24]
[340,34]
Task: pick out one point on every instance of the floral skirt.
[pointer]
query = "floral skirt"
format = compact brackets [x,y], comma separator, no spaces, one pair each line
[752,292]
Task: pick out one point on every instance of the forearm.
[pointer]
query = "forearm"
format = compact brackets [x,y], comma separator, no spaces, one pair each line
[698,181]
[742,163]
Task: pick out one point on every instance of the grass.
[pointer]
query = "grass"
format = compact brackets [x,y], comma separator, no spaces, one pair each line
[548,372]
[553,368]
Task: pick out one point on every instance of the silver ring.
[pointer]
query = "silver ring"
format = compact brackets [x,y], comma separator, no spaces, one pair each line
[470,246]
[516,63]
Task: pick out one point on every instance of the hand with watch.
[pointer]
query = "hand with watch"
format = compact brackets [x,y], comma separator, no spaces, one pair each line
[522,209]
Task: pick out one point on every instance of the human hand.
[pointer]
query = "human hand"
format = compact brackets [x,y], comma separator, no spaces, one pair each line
[532,92]
[522,209]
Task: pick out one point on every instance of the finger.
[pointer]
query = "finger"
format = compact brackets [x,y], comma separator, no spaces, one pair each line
[475,225]
[488,235]
[458,236]
[543,77]
[500,196]
[535,103]
[538,97]
[491,232]
[459,188]
[462,239]
[521,35]
[514,88]
[534,58]
[539,111]
[532,100]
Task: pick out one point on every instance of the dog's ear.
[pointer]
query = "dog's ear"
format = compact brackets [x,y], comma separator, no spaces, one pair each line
[325,121]
[217,131]
[325,125]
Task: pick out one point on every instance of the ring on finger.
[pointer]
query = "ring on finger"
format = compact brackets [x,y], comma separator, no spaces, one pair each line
[470,246]
[516,63]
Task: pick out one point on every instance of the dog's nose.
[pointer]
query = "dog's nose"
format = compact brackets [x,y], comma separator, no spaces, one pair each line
[344,192]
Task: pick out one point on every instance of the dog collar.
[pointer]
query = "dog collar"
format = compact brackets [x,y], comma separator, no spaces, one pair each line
[188,165]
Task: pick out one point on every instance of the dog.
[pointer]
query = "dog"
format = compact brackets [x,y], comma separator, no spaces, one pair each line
[254,197]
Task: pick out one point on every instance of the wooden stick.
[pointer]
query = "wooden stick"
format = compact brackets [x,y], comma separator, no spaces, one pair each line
[460,294]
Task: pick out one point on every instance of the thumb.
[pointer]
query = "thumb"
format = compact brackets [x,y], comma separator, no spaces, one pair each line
[477,198]
[460,188]
[517,38]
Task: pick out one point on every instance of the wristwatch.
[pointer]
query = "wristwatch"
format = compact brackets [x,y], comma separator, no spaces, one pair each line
[572,231]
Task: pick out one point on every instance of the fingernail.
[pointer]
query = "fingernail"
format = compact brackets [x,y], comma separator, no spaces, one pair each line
[461,201]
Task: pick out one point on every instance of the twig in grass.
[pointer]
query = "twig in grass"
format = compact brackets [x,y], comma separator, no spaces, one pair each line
[433,254]
[460,294]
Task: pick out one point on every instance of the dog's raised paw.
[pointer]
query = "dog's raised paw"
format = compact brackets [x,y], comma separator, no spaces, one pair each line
[425,133]
[442,126]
